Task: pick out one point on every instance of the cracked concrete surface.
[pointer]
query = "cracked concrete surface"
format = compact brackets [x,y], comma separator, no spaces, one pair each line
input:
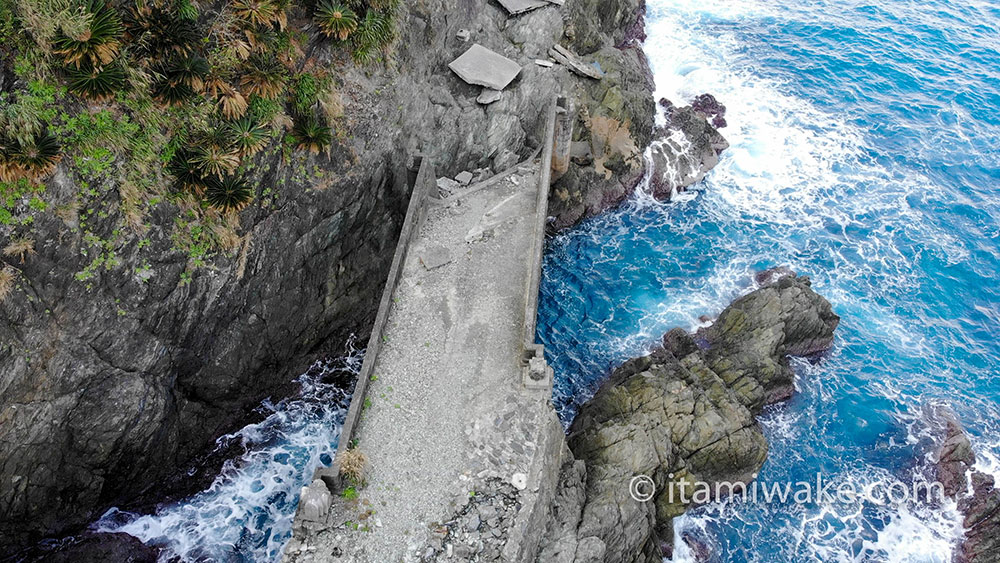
[446,412]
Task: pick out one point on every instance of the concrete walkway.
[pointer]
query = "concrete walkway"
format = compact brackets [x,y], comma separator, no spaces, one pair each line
[459,451]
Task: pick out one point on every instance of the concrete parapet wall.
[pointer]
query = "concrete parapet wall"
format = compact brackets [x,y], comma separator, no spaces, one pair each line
[415,214]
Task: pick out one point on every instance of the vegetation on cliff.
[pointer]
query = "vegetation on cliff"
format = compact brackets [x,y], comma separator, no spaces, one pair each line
[165,100]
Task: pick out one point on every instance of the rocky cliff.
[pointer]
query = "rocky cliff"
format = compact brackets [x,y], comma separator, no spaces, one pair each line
[975,491]
[125,353]
[682,415]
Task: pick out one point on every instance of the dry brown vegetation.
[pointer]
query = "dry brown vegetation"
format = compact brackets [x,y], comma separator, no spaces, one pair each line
[353,463]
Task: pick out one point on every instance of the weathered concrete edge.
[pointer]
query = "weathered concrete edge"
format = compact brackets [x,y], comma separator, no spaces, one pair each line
[416,212]
[531,349]
[529,525]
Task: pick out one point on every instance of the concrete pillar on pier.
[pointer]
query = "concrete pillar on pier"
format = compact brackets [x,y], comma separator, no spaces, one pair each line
[562,140]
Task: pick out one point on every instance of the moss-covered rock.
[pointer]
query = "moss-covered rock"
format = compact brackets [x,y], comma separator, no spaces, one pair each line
[684,417]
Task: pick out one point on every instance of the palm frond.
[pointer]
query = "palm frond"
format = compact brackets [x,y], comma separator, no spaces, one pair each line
[98,43]
[231,193]
[335,20]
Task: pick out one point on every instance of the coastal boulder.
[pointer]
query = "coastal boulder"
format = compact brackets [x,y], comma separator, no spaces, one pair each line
[683,417]
[749,344]
[975,491]
[684,150]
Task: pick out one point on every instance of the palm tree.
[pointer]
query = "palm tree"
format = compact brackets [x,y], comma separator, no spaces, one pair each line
[232,104]
[39,156]
[249,137]
[188,174]
[256,12]
[335,20]
[215,153]
[96,82]
[265,77]
[155,32]
[231,193]
[99,41]
[311,134]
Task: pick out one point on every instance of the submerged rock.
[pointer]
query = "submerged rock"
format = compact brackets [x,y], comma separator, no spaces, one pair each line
[681,415]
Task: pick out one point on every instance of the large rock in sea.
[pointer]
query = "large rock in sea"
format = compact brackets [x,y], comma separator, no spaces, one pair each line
[684,413]
[685,149]
[975,492]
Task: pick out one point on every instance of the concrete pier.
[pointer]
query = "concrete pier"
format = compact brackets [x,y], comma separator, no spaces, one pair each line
[452,412]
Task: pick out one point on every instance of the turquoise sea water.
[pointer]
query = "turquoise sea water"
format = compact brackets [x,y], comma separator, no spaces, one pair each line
[865,154]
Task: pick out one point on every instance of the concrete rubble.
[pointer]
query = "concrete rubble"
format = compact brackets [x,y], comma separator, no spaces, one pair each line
[515,7]
[483,67]
[488,96]
[446,187]
[571,60]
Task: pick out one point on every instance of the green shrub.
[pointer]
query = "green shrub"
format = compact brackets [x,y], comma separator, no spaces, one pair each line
[231,193]
[305,94]
[98,43]
[335,20]
[375,32]
[96,83]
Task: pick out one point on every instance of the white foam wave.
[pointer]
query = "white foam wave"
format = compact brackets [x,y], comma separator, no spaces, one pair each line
[246,514]
[802,173]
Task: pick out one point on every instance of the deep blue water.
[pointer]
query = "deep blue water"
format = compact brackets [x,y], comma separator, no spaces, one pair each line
[865,154]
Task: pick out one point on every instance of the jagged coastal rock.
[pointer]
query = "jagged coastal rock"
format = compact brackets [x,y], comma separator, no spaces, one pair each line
[975,491]
[683,413]
[687,147]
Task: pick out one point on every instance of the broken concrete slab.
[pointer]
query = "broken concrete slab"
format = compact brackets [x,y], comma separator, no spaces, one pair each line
[447,186]
[488,96]
[463,35]
[570,59]
[515,7]
[464,178]
[435,257]
[544,62]
[483,67]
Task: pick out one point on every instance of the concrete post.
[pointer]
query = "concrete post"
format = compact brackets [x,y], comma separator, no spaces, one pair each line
[562,140]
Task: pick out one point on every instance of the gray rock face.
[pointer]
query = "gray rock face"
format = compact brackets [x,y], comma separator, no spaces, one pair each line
[109,386]
[684,413]
[683,151]
[976,492]
[786,318]
[615,114]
